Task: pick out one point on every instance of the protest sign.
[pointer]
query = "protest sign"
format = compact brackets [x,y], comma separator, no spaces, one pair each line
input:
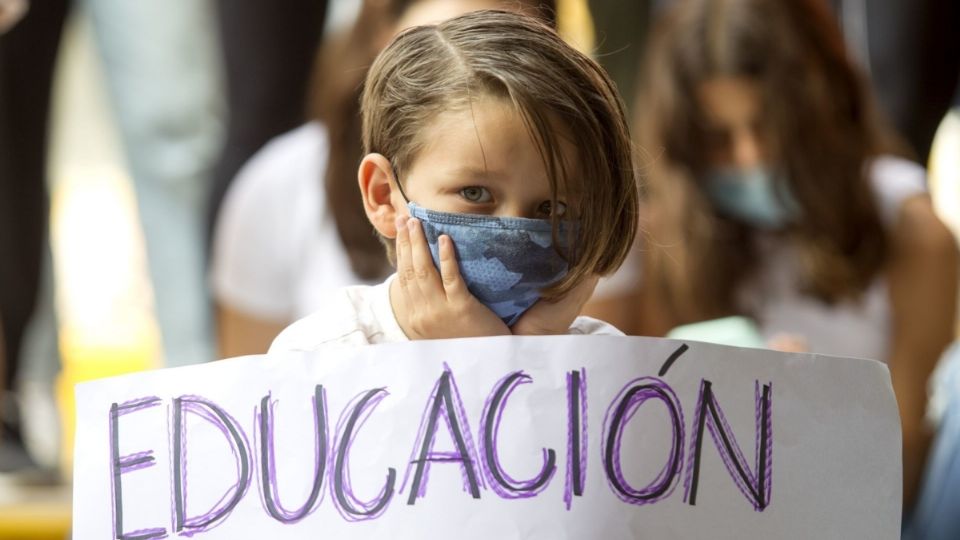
[539,437]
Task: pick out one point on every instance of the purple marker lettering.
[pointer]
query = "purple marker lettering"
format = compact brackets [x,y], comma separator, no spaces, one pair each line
[228,426]
[624,406]
[353,417]
[499,480]
[268,457]
[444,402]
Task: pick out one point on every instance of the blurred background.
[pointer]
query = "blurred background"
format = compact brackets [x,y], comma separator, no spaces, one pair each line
[124,196]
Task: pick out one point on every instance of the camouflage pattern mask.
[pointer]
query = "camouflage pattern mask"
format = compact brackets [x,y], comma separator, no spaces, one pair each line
[504,261]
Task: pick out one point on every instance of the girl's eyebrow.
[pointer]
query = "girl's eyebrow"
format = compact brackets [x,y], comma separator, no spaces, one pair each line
[478,173]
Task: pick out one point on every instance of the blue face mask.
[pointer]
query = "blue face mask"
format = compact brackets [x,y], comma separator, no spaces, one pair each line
[755,196]
[504,261]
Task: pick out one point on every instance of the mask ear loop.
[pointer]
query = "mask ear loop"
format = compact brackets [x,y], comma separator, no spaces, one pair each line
[396,178]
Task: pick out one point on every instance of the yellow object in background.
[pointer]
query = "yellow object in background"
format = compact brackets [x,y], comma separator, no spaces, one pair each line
[42,520]
[89,361]
[576,25]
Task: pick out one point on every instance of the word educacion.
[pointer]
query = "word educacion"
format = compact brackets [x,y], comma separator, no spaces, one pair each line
[479,463]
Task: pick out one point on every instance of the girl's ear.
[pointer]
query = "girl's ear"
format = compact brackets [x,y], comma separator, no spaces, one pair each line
[375,176]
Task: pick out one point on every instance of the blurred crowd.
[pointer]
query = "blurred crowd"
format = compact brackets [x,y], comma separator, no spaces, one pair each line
[782,146]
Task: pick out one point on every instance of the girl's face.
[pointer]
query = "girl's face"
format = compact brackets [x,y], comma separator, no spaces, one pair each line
[480,160]
[732,110]
[741,183]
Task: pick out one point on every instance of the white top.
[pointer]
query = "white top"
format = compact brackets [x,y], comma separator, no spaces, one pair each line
[277,254]
[860,328]
[362,315]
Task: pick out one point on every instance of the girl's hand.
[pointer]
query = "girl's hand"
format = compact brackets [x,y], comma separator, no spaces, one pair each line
[437,305]
[551,318]
[788,343]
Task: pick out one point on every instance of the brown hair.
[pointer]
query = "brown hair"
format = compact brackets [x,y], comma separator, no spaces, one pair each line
[337,85]
[553,87]
[817,114]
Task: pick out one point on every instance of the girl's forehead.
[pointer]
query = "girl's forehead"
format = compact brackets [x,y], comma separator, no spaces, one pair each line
[728,100]
[485,133]
[489,137]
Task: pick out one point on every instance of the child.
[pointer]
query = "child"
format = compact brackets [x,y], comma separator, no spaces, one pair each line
[498,172]
[292,227]
[778,194]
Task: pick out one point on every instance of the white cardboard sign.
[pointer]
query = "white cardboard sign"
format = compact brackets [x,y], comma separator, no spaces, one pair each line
[544,437]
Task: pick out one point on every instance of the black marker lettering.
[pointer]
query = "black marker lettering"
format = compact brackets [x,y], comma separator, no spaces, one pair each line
[755,487]
[447,401]
[268,472]
[632,397]
[350,507]
[124,464]
[500,482]
[219,418]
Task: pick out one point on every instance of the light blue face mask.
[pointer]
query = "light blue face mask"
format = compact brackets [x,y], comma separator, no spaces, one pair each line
[755,196]
[505,261]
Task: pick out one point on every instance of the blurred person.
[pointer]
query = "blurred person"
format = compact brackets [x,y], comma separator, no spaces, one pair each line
[774,191]
[163,73]
[163,79]
[23,246]
[27,53]
[268,50]
[29,442]
[908,49]
[937,512]
[292,228]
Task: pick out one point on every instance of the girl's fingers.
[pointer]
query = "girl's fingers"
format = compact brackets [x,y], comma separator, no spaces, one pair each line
[449,269]
[422,261]
[405,272]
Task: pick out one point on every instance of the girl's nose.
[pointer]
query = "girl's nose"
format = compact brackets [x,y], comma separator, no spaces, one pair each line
[746,151]
[514,209]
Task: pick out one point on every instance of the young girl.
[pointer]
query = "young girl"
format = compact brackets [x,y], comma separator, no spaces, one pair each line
[292,227]
[498,171]
[774,192]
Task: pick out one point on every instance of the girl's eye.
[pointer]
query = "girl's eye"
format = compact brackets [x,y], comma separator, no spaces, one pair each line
[717,139]
[547,209]
[476,194]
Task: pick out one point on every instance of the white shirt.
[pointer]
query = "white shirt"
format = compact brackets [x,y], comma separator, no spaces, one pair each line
[277,254]
[859,328]
[363,315]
